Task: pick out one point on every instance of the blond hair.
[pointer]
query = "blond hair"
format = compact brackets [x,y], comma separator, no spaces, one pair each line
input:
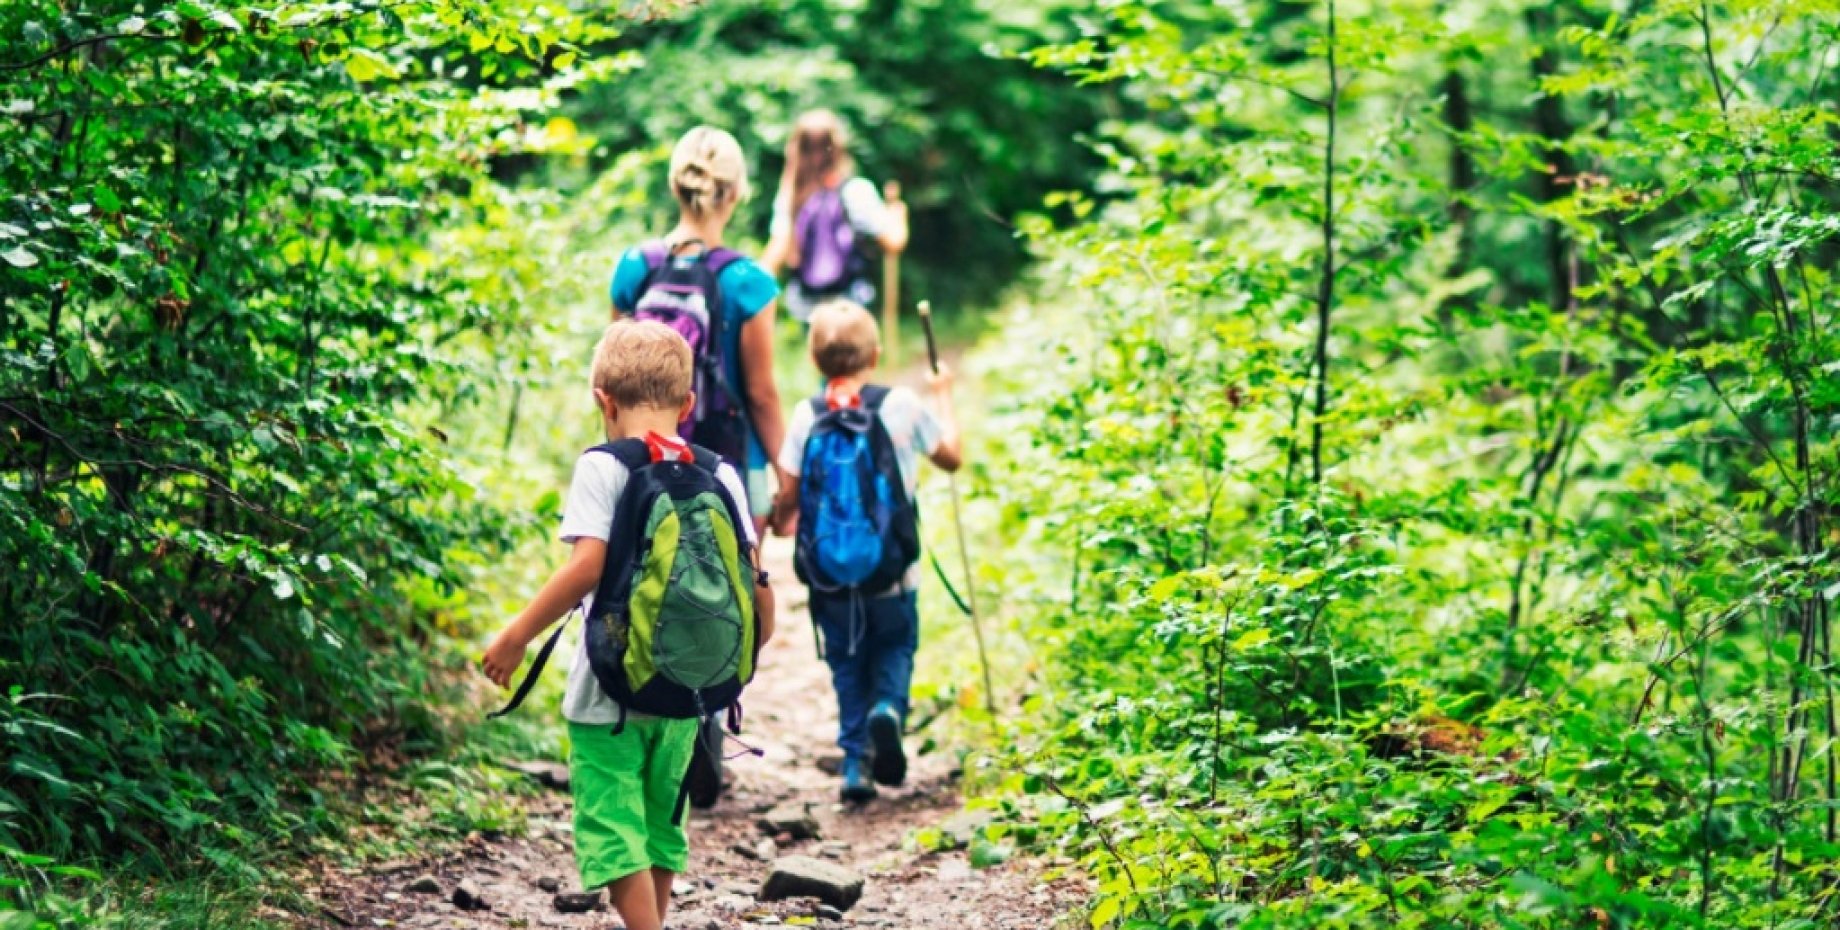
[643,363]
[844,338]
[708,171]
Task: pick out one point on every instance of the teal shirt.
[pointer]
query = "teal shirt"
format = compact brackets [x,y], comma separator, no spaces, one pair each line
[746,289]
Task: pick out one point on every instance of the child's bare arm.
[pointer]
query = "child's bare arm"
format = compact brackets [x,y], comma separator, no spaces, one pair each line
[764,606]
[786,509]
[564,589]
[763,602]
[949,453]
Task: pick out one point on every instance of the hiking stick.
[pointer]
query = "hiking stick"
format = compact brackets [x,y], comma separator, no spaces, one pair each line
[964,551]
[891,288]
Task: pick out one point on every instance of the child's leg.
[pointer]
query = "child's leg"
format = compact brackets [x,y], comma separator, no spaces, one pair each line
[841,626]
[635,899]
[661,886]
[894,637]
[608,778]
[670,744]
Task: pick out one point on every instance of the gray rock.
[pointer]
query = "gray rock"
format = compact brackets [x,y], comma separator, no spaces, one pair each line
[826,912]
[736,888]
[548,774]
[962,828]
[831,764]
[834,850]
[549,883]
[747,852]
[579,902]
[468,897]
[793,820]
[805,877]
[766,850]
[424,884]
[952,871]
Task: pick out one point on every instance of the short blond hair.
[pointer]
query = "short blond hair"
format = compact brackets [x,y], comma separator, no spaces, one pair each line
[708,171]
[643,363]
[844,338]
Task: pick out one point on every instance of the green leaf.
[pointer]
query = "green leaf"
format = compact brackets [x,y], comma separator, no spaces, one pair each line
[365,65]
[18,257]
[1252,639]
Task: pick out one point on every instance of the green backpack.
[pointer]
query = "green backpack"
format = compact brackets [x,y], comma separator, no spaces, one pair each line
[673,631]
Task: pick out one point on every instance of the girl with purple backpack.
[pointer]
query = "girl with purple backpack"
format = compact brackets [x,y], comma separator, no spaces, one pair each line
[722,303]
[828,222]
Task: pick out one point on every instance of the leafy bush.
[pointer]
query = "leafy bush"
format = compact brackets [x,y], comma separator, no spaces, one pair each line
[1441,481]
[230,526]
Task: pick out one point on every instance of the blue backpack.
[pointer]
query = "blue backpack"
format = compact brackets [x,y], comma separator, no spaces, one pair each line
[858,532]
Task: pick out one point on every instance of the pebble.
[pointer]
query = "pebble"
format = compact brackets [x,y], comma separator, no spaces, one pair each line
[953,871]
[425,884]
[579,902]
[834,850]
[826,912]
[468,897]
[789,822]
[549,883]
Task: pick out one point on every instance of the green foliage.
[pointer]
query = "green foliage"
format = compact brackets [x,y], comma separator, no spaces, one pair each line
[931,90]
[257,265]
[1432,523]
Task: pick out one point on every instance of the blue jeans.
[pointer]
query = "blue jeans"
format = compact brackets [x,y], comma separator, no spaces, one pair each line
[869,644]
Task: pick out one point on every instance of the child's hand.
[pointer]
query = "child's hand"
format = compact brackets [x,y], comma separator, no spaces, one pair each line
[940,382]
[785,513]
[503,657]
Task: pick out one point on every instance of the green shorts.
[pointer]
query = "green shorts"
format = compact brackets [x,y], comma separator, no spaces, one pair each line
[626,791]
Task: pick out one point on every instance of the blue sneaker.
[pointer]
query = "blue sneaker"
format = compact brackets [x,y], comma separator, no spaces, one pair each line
[890,766]
[856,785]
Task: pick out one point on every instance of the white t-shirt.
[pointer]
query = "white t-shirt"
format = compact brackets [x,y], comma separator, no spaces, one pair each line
[862,203]
[595,490]
[913,431]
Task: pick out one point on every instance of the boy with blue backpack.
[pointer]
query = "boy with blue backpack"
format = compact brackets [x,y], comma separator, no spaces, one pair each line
[676,612]
[853,453]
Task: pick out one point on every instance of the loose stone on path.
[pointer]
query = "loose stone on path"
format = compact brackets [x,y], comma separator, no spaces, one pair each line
[805,877]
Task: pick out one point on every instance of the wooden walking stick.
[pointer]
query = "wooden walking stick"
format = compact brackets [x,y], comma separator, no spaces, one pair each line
[891,289]
[964,551]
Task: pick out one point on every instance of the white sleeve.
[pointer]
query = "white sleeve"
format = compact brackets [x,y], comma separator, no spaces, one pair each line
[782,215]
[731,483]
[588,511]
[862,203]
[926,433]
[792,453]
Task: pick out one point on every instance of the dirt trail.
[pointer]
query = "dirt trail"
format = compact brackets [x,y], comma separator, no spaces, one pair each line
[791,715]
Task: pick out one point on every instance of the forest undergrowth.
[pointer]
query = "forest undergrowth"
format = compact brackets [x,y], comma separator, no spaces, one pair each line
[1430,520]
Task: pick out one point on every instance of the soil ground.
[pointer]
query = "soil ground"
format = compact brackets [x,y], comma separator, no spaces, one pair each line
[791,716]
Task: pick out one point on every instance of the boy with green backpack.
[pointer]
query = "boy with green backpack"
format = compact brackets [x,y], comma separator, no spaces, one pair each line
[676,612]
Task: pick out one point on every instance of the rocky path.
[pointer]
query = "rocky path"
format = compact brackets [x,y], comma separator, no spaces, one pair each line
[514,882]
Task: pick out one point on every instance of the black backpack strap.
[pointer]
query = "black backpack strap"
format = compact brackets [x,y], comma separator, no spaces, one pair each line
[872,396]
[630,452]
[706,460]
[536,669]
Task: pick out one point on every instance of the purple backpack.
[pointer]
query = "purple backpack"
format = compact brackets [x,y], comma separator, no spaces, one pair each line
[827,243]
[681,291]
